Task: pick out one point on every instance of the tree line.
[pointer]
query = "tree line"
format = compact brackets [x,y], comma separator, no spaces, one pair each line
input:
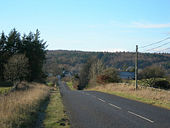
[95,72]
[73,60]
[21,56]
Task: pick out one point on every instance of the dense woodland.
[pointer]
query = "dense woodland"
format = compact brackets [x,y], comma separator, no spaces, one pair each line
[56,60]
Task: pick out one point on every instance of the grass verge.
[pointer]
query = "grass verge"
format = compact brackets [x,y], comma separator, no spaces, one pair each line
[4,90]
[152,96]
[19,109]
[55,114]
[70,85]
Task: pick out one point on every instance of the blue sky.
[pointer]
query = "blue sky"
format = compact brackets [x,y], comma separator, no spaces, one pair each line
[90,25]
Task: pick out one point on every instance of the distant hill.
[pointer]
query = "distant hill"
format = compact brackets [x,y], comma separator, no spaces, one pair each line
[73,60]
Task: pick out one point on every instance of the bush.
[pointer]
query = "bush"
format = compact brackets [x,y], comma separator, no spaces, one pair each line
[108,76]
[152,72]
[50,84]
[156,83]
[6,84]
[51,81]
[162,84]
[84,75]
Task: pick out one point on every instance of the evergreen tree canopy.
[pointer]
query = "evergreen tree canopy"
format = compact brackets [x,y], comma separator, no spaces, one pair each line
[31,45]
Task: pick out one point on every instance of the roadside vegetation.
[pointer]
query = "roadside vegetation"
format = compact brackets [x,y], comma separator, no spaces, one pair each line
[55,114]
[72,82]
[5,90]
[23,97]
[19,109]
[153,83]
[95,72]
[5,87]
[70,85]
[147,95]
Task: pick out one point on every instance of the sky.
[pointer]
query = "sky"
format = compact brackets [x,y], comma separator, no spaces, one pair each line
[91,25]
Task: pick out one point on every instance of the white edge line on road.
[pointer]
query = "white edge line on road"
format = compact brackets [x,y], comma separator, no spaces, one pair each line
[141,116]
[114,106]
[101,100]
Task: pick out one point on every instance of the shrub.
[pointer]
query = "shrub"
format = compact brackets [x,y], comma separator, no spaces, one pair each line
[156,83]
[51,81]
[108,76]
[16,69]
[84,75]
[152,72]
[6,84]
[162,84]
[50,84]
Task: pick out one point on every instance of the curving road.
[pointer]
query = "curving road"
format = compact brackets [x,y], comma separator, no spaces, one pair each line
[91,109]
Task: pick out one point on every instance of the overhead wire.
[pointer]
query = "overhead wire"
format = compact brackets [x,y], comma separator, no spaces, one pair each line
[157,47]
[155,43]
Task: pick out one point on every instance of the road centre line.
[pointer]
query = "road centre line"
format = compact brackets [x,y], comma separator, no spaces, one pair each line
[108,103]
[101,100]
[114,106]
[141,116]
[121,108]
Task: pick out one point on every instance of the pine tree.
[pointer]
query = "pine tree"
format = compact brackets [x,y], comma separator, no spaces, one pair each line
[2,54]
[13,42]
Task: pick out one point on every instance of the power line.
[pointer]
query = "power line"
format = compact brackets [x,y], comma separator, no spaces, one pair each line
[158,46]
[155,43]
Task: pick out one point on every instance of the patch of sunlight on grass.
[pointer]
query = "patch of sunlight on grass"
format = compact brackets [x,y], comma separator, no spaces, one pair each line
[70,84]
[55,114]
[4,90]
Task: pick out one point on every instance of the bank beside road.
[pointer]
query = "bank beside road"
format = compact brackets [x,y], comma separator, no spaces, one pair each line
[157,97]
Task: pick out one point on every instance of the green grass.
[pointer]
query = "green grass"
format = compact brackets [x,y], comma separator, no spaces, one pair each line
[50,84]
[70,84]
[55,114]
[4,90]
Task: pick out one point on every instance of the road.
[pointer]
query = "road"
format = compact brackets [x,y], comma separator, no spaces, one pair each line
[91,109]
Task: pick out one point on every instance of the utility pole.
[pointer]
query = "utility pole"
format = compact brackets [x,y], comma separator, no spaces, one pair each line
[136,68]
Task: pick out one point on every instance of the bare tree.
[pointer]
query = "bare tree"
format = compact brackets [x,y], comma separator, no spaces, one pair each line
[96,68]
[16,69]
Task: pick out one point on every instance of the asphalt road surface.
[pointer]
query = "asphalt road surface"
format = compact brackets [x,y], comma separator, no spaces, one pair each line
[91,109]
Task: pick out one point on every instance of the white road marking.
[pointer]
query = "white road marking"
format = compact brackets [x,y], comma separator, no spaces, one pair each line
[101,100]
[141,116]
[114,106]
[87,94]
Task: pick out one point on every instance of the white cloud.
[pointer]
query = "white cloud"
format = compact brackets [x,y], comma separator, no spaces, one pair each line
[150,25]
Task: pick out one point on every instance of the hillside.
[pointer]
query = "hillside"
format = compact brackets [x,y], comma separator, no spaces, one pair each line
[56,60]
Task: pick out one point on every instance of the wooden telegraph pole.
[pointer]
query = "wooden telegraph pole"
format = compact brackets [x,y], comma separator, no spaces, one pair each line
[136,68]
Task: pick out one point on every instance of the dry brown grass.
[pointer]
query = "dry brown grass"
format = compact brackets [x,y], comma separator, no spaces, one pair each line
[148,95]
[18,109]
